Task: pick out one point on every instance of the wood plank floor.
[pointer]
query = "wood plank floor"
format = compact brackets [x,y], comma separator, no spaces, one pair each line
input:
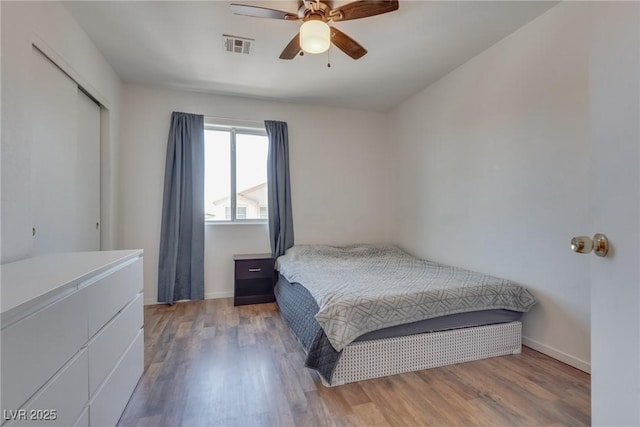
[208,363]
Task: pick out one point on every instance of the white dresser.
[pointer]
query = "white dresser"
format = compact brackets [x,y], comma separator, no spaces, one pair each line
[71,344]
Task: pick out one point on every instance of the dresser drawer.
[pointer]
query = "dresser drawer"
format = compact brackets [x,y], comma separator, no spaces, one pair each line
[110,294]
[110,400]
[61,401]
[111,342]
[36,347]
[254,268]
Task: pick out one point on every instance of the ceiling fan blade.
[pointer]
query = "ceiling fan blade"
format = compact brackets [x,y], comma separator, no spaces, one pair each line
[262,12]
[292,49]
[347,44]
[363,9]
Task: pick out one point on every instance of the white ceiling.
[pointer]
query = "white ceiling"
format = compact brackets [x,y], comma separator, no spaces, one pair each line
[178,44]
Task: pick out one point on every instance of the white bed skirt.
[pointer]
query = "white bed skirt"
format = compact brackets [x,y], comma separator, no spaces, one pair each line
[379,358]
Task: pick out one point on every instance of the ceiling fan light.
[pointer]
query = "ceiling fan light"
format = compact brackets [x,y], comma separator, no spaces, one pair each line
[315,36]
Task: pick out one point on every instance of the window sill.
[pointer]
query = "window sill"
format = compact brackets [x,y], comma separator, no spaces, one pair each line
[247,222]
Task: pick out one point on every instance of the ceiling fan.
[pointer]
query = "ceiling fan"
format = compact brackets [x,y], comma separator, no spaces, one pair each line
[315,35]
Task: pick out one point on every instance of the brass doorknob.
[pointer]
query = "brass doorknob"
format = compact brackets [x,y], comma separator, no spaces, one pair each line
[584,244]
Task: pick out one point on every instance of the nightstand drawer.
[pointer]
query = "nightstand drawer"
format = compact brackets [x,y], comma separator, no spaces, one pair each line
[254,268]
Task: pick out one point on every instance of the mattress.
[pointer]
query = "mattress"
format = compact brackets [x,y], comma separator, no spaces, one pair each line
[445,323]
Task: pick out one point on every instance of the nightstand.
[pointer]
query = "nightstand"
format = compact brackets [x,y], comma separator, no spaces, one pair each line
[254,279]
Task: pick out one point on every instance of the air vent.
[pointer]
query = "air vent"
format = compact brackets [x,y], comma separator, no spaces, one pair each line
[236,44]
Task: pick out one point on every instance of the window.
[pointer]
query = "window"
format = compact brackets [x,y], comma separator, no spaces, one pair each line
[242,212]
[263,212]
[235,174]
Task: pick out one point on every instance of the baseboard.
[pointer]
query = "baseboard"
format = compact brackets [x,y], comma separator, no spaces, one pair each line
[208,295]
[215,295]
[557,354]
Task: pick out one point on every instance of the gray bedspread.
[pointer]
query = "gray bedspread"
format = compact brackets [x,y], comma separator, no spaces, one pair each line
[297,307]
[363,288]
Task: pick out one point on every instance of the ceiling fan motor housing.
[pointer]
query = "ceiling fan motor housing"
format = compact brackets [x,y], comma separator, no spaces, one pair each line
[314,10]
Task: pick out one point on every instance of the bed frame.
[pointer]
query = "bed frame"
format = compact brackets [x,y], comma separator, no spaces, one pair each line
[363,360]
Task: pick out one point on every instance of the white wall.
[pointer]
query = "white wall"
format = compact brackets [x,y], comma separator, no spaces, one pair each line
[339,172]
[48,26]
[492,172]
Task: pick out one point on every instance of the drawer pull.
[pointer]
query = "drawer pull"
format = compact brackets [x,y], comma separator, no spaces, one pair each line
[255,270]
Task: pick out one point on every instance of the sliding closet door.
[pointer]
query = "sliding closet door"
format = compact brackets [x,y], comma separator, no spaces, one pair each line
[88,174]
[65,165]
[53,157]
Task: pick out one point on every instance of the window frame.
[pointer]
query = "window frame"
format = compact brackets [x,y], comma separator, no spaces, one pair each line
[233,132]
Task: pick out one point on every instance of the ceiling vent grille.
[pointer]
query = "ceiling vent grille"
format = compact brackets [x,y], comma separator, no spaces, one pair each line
[236,44]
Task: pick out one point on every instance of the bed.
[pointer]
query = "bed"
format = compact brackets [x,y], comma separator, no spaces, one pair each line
[366,311]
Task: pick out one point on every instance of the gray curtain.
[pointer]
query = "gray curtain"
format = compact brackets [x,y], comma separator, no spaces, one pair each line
[279,188]
[181,263]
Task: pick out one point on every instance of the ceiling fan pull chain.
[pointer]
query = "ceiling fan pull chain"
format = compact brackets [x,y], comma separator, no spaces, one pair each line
[329,57]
